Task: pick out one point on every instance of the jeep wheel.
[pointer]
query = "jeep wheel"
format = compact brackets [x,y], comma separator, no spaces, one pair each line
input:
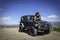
[33,31]
[20,28]
[47,31]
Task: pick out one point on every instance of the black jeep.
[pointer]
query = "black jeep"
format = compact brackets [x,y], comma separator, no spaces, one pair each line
[33,28]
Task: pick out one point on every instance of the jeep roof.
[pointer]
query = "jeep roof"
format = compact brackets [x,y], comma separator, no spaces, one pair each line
[27,15]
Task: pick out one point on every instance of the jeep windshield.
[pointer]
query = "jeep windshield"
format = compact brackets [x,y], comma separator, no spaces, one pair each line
[30,17]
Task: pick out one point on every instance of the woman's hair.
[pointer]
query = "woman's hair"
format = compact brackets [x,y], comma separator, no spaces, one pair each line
[37,13]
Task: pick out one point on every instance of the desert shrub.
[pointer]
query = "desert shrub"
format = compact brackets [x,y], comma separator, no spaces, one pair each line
[56,29]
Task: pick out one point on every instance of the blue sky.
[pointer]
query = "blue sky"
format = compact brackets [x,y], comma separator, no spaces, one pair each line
[12,10]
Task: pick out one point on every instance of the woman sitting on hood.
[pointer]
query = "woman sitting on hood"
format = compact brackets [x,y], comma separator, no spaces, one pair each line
[37,17]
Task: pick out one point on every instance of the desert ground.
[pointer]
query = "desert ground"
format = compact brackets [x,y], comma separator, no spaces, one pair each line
[14,34]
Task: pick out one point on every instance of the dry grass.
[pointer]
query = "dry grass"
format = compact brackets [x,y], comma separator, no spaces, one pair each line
[13,34]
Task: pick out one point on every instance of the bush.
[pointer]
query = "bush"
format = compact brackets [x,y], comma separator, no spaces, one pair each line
[56,29]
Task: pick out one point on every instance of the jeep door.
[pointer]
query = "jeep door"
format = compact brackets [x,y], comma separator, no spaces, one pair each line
[25,21]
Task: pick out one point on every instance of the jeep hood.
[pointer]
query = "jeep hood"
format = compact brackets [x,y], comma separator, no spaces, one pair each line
[41,22]
[44,22]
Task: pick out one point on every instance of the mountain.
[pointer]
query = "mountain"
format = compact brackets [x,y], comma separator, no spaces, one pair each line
[55,24]
[9,26]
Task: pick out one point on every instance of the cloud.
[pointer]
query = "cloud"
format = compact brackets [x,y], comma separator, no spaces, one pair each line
[1,9]
[52,16]
[42,18]
[5,18]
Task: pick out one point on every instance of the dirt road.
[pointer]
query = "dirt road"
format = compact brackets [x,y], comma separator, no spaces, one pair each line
[13,34]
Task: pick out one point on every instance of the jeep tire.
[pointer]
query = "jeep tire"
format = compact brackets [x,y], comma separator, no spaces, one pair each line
[33,31]
[47,31]
[20,28]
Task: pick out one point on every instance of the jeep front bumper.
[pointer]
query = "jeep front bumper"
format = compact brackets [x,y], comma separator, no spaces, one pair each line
[43,28]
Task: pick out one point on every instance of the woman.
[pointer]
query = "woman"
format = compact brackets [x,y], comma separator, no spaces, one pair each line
[37,17]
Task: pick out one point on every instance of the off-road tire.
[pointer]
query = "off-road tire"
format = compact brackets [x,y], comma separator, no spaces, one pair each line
[20,28]
[47,31]
[33,31]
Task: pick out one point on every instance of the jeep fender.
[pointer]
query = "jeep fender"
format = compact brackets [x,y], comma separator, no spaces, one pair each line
[22,24]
